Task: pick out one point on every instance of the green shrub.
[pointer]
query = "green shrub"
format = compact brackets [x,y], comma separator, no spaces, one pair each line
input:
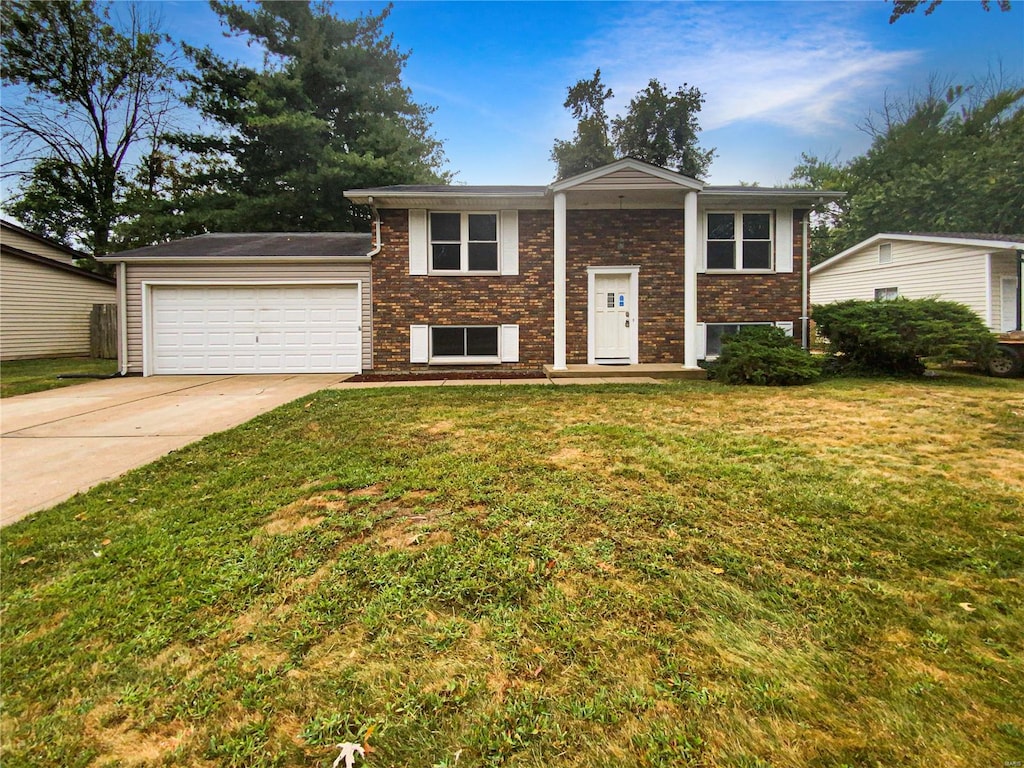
[896,337]
[765,355]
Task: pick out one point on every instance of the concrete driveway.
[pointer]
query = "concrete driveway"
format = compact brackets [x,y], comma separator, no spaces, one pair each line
[55,444]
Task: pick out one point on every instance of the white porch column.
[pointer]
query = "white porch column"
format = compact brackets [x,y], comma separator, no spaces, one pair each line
[690,281]
[560,281]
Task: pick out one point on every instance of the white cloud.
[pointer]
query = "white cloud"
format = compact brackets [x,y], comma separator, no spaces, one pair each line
[802,66]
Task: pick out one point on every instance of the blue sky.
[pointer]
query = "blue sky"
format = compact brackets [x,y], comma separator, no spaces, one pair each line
[780,78]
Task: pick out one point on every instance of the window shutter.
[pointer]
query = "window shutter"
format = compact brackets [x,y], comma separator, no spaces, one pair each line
[509,223]
[784,240]
[786,325]
[419,343]
[510,343]
[702,340]
[702,244]
[419,247]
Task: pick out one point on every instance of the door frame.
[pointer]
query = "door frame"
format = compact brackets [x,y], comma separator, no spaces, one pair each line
[633,273]
[149,325]
[1005,280]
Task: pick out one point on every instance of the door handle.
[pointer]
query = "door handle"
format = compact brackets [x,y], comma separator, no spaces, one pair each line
[627,323]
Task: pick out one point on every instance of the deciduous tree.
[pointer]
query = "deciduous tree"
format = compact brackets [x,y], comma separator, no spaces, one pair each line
[658,127]
[89,91]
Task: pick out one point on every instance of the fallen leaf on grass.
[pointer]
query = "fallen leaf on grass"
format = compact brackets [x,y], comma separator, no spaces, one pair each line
[718,571]
[105,542]
[349,750]
[967,607]
[26,560]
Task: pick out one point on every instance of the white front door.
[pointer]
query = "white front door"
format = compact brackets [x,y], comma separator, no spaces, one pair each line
[614,318]
[1010,296]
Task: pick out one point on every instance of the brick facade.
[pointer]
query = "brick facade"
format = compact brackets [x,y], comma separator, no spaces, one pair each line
[740,298]
[526,299]
[651,240]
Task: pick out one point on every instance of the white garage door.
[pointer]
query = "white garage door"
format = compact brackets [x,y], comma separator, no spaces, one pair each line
[256,329]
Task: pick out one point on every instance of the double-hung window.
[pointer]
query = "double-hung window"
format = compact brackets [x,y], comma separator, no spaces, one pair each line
[463,242]
[739,240]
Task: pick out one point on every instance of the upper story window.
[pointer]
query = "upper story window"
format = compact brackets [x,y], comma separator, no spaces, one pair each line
[885,253]
[463,242]
[740,240]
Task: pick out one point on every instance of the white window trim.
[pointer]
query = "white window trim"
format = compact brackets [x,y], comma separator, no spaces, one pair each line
[887,289]
[738,231]
[508,346]
[634,297]
[464,244]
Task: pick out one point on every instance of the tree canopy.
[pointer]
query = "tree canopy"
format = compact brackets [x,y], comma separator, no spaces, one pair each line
[658,127]
[933,166]
[328,112]
[901,8]
[92,95]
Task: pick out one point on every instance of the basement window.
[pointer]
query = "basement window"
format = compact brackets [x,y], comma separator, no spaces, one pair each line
[464,344]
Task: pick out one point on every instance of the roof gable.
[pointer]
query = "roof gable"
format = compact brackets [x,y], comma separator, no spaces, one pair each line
[627,174]
[994,242]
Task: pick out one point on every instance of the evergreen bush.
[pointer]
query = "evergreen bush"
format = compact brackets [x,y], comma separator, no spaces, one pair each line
[897,337]
[764,355]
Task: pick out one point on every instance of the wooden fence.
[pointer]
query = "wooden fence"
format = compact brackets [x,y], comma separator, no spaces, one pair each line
[103,331]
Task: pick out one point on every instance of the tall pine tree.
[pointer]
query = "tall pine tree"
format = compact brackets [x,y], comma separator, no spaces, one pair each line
[328,112]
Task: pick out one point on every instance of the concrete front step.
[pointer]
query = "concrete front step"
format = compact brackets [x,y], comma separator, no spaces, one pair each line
[641,370]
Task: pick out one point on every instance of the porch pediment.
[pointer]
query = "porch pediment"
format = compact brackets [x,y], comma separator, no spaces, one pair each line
[628,175]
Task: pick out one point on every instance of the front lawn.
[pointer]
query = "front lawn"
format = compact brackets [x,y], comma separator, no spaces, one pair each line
[21,377]
[674,575]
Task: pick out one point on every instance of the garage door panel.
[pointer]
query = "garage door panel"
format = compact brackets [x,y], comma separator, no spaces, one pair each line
[245,329]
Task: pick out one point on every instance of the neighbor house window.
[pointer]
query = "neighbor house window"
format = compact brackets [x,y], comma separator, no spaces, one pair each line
[885,253]
[718,331]
[739,241]
[886,294]
[464,242]
[460,343]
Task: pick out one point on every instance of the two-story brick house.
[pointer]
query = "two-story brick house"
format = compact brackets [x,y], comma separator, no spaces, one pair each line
[626,264]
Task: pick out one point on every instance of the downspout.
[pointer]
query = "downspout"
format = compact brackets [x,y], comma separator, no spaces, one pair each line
[805,329]
[376,226]
[376,249]
[122,317]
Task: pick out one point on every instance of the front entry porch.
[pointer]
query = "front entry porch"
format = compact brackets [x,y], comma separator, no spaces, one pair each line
[633,371]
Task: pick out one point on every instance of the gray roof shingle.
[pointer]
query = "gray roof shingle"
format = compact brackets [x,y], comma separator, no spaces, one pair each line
[256,245]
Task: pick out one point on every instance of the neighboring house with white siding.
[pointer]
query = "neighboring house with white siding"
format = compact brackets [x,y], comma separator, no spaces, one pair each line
[45,300]
[981,271]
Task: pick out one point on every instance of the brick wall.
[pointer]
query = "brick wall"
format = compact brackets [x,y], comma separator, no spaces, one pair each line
[649,239]
[736,298]
[526,299]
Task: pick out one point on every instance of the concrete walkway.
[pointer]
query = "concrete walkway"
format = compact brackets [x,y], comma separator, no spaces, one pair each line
[58,443]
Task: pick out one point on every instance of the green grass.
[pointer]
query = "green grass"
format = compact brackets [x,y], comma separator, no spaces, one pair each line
[21,377]
[674,575]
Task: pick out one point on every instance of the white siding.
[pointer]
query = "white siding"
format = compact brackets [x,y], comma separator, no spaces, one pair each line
[627,178]
[31,245]
[918,270]
[44,311]
[240,273]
